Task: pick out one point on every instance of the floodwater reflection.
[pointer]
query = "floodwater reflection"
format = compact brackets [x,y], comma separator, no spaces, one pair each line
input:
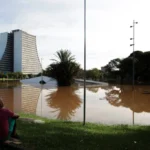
[65,101]
[124,96]
[113,104]
[93,89]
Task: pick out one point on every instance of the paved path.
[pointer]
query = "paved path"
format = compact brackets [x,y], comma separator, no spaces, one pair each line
[91,82]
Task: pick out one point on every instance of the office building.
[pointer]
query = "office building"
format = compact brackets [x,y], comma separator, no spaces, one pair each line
[18,53]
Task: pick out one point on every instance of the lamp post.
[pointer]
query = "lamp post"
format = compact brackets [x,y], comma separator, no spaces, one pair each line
[133,44]
[84,107]
[133,69]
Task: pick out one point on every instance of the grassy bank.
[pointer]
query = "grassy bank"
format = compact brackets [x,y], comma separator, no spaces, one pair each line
[59,135]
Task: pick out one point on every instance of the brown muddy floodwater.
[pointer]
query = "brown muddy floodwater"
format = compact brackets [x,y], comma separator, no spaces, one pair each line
[113,104]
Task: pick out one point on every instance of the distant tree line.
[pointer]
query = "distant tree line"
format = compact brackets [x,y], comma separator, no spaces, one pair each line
[121,70]
[12,75]
[64,69]
[91,74]
[16,75]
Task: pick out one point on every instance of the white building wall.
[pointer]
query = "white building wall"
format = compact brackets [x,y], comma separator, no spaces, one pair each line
[30,59]
[3,43]
[23,52]
[18,51]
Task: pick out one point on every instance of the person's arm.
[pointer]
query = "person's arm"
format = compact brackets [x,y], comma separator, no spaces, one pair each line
[15,116]
[11,114]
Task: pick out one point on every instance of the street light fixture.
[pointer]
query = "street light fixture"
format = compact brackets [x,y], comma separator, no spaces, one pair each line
[133,26]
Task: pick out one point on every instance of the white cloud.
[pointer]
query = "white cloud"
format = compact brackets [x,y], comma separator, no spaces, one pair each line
[59,24]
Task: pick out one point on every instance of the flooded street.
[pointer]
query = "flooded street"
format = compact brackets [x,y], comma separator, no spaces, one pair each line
[113,104]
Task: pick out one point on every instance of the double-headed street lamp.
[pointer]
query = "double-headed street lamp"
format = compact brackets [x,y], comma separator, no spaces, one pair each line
[133,44]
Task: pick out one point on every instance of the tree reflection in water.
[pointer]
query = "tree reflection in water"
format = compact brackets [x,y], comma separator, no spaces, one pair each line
[65,101]
[123,96]
[93,89]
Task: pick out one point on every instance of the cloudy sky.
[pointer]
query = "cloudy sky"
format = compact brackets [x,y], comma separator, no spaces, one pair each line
[58,24]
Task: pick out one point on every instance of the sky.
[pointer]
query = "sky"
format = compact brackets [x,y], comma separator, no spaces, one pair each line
[58,24]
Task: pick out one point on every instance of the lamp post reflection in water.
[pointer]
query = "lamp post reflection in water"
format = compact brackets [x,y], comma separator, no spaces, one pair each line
[64,101]
[41,97]
[133,96]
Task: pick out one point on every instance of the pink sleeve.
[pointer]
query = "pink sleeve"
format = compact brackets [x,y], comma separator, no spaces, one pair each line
[9,113]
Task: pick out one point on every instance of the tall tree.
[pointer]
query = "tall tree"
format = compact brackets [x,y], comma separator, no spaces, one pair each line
[63,56]
[125,68]
[64,68]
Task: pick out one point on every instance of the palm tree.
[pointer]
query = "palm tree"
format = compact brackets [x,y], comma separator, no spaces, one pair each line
[63,56]
[64,68]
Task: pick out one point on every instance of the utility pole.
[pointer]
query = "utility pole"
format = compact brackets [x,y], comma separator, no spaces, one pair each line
[84,107]
[133,68]
[133,39]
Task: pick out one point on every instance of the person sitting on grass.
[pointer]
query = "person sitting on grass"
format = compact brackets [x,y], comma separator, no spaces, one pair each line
[7,124]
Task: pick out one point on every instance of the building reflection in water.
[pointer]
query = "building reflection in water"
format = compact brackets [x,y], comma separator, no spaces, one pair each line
[29,98]
[20,98]
[109,104]
[25,98]
[65,101]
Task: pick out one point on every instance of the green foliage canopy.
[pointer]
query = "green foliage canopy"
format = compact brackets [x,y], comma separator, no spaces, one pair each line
[124,67]
[64,68]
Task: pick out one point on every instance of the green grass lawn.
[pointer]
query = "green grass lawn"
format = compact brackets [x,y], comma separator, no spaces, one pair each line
[59,135]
